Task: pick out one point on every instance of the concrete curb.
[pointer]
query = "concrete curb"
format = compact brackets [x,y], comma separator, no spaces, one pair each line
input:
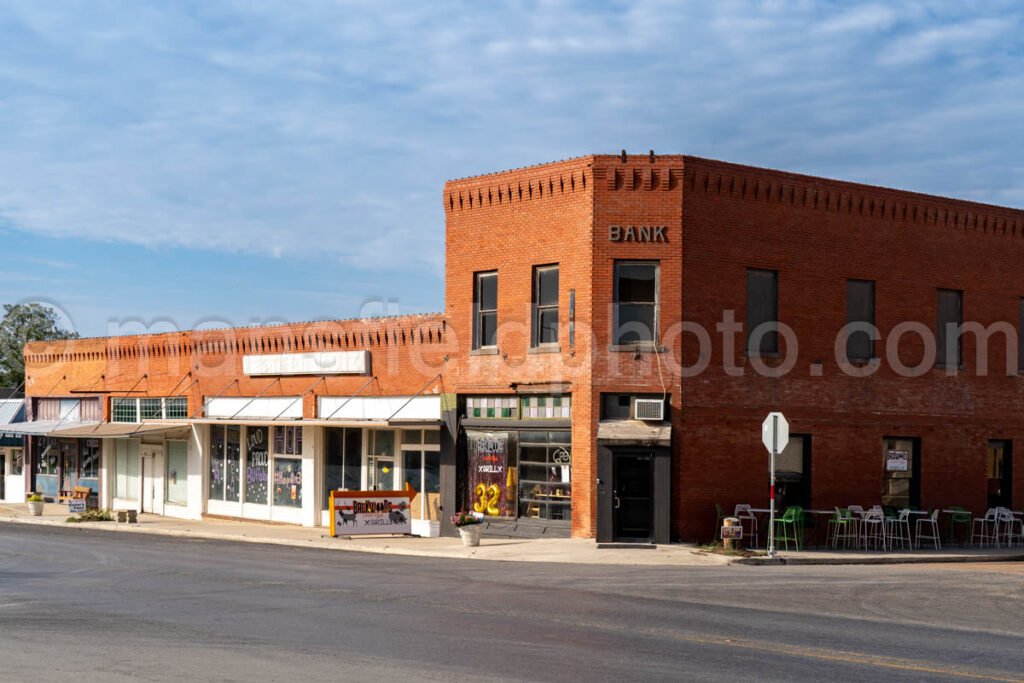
[326,543]
[923,559]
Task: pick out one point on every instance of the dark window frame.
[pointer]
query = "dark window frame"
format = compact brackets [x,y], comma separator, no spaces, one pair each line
[770,341]
[851,342]
[479,313]
[941,339]
[539,309]
[656,304]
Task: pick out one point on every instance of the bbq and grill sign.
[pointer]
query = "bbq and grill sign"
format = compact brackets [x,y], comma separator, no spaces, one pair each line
[371,512]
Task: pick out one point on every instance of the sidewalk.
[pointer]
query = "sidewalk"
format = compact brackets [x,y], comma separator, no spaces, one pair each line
[579,551]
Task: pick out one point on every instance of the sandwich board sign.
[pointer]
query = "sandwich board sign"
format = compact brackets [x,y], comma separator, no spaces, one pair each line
[371,512]
[774,436]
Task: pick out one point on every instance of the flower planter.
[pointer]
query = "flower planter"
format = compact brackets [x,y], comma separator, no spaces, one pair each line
[471,534]
[36,508]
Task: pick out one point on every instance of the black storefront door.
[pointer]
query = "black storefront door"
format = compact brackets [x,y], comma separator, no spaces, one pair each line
[633,493]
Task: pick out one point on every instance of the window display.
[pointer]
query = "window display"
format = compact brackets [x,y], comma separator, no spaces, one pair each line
[545,481]
[288,482]
[257,464]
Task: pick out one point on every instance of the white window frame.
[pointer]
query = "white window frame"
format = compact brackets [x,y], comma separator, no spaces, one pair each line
[138,407]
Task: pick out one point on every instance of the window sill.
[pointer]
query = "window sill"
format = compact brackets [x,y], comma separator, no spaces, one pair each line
[861,362]
[547,348]
[486,351]
[644,347]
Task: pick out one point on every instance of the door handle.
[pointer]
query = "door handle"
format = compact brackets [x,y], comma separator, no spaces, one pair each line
[618,503]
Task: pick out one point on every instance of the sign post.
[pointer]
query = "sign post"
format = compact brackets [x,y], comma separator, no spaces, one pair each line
[774,436]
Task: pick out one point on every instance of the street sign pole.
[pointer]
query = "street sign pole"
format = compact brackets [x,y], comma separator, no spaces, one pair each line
[771,500]
[775,437]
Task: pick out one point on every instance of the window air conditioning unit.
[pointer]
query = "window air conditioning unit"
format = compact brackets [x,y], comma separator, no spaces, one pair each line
[648,409]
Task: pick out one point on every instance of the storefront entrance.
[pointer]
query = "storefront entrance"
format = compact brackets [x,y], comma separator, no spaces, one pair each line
[633,493]
[380,473]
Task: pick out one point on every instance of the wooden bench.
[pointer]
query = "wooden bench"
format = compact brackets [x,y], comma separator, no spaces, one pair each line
[76,493]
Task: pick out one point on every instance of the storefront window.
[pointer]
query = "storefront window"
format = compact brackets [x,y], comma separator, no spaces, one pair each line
[545,481]
[126,469]
[90,466]
[225,462]
[288,482]
[492,478]
[257,464]
[288,440]
[47,457]
[421,471]
[343,461]
[216,491]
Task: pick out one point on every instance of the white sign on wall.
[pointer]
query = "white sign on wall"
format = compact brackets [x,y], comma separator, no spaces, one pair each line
[318,363]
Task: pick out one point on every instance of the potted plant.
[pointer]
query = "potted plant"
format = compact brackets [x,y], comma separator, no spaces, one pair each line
[469,526]
[35,504]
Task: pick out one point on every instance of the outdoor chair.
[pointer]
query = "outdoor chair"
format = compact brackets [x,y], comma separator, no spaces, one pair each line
[929,524]
[985,529]
[1010,528]
[842,527]
[719,516]
[897,530]
[747,519]
[787,527]
[872,530]
[959,518]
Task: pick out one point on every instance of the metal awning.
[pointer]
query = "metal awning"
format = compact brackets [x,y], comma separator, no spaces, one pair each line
[117,430]
[634,433]
[270,422]
[44,427]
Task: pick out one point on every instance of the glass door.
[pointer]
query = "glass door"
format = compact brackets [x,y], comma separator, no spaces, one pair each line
[381,473]
[69,465]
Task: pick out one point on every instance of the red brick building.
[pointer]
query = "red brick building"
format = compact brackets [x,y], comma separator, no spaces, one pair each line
[583,294]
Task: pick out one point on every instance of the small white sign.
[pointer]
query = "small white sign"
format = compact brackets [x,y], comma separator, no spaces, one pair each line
[76,506]
[319,363]
[897,461]
[768,432]
[732,532]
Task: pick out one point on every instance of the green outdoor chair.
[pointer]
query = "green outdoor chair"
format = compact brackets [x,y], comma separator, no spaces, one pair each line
[788,527]
[960,519]
[719,516]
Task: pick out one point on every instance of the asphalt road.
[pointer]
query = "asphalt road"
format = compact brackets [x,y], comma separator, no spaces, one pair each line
[97,606]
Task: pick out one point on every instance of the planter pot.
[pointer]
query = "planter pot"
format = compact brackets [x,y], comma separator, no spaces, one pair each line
[471,534]
[36,508]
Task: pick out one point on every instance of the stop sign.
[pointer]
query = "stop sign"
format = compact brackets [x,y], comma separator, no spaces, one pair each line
[775,432]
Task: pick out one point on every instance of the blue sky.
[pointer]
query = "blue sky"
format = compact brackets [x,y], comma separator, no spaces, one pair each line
[172,165]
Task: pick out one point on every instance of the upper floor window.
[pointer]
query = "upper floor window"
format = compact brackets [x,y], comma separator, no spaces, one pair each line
[545,305]
[949,316]
[485,310]
[636,302]
[860,309]
[762,311]
[138,409]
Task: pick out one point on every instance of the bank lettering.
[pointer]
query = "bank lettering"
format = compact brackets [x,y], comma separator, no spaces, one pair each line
[638,233]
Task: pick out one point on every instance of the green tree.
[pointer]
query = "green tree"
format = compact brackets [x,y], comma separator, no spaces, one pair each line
[23,323]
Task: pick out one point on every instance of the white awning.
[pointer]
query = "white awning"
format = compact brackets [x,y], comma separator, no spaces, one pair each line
[634,433]
[117,430]
[45,427]
[257,422]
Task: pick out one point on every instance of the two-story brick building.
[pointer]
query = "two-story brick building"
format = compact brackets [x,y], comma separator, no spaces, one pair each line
[615,330]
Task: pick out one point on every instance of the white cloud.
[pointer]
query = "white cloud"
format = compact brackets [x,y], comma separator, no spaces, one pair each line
[310,128]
